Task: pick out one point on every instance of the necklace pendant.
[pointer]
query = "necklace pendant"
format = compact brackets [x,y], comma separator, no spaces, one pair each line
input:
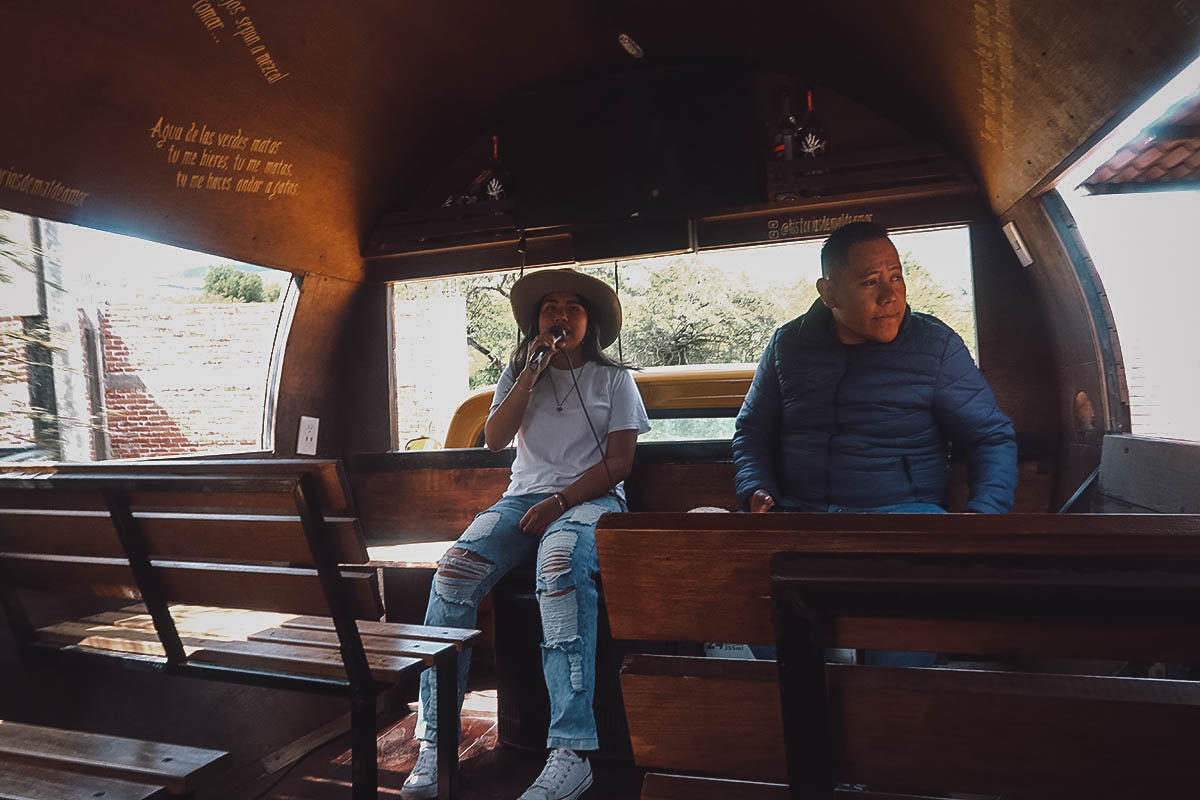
[559,409]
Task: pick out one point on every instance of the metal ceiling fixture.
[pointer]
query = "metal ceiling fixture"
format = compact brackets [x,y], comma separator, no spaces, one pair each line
[631,47]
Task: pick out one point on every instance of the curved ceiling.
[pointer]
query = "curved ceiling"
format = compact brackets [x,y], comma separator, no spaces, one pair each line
[350,109]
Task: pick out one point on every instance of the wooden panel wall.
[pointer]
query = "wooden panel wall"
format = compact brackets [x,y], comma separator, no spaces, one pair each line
[369,102]
[115,101]
[364,99]
[1073,339]
[365,395]
[314,381]
[1012,333]
[1014,86]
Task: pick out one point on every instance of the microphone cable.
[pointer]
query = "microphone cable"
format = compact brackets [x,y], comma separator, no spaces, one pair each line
[599,448]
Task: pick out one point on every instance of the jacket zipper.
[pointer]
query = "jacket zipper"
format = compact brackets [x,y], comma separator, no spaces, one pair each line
[912,486]
[837,427]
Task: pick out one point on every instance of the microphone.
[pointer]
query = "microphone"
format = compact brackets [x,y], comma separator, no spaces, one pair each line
[559,334]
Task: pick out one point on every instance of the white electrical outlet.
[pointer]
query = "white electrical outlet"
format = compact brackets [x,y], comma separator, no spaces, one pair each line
[306,444]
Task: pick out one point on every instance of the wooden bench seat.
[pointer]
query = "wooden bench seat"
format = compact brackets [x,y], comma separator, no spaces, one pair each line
[238,544]
[261,652]
[459,638]
[26,782]
[222,636]
[44,763]
[707,577]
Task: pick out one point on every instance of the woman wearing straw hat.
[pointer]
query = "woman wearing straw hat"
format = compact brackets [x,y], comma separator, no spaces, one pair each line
[576,416]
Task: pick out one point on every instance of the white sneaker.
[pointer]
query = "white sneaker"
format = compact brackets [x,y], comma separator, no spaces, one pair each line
[565,777]
[422,782]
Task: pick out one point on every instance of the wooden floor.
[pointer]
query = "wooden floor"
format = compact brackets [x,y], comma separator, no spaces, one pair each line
[488,770]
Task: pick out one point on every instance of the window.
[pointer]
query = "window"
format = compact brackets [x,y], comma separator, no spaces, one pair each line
[1135,201]
[688,429]
[113,347]
[680,312]
[1146,248]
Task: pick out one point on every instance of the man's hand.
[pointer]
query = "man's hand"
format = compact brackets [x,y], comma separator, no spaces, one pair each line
[760,501]
[540,515]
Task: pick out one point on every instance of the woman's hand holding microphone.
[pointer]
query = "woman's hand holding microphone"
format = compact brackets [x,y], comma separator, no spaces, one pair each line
[542,349]
[502,424]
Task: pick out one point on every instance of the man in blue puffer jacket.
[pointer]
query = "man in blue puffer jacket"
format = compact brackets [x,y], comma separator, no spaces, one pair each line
[855,403]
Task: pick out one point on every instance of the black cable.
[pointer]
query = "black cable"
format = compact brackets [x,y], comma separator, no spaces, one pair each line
[603,457]
[617,289]
[522,248]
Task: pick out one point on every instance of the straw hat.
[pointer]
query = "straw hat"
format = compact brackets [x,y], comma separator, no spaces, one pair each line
[603,306]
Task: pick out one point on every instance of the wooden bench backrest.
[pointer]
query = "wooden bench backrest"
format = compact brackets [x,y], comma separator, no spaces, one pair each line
[429,496]
[706,577]
[434,495]
[329,478]
[991,732]
[195,519]
[60,530]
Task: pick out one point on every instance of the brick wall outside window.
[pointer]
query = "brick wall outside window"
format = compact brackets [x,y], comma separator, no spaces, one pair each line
[185,378]
[16,427]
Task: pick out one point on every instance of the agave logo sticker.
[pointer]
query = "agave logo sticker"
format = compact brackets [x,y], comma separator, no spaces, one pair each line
[812,145]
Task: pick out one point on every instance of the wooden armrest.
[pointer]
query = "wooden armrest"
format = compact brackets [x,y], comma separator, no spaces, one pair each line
[423,555]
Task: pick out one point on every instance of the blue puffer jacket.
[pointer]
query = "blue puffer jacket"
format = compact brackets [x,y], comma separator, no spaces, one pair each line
[869,425]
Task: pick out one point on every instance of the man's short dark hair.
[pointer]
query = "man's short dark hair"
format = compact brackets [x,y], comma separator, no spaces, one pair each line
[835,253]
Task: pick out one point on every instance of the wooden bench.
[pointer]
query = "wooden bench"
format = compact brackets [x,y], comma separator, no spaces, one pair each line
[186,543]
[706,577]
[1013,733]
[432,495]
[414,506]
[41,763]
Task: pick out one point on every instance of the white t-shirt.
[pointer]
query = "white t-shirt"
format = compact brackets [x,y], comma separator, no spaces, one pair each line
[555,447]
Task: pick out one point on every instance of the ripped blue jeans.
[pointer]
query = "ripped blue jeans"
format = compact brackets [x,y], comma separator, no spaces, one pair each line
[566,589]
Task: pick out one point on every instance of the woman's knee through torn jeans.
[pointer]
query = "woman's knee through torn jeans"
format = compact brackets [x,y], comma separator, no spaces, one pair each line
[566,589]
